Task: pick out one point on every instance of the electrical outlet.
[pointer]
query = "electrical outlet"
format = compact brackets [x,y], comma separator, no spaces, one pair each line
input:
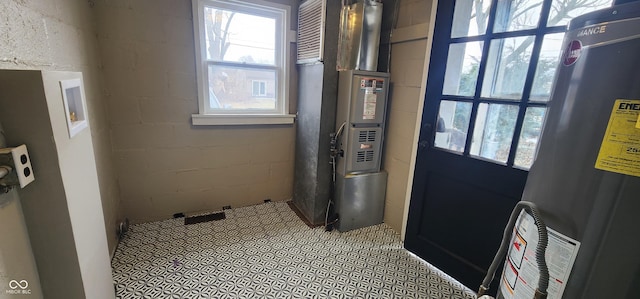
[18,159]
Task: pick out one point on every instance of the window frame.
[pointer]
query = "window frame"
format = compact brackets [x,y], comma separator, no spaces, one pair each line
[486,72]
[280,115]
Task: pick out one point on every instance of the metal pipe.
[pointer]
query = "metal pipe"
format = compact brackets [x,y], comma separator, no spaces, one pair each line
[359,35]
[543,280]
[335,151]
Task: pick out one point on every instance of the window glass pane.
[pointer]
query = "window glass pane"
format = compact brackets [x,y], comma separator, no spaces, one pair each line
[493,131]
[470,18]
[239,37]
[259,88]
[232,88]
[513,15]
[256,87]
[507,66]
[546,68]
[562,11]
[528,143]
[452,125]
[461,74]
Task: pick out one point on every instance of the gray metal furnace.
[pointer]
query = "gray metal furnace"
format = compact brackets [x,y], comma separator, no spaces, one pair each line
[360,183]
[327,42]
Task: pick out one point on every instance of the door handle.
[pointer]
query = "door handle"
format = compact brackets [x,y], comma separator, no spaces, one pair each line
[423,144]
[425,134]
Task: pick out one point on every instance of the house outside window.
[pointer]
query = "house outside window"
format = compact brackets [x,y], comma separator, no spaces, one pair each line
[242,53]
[259,88]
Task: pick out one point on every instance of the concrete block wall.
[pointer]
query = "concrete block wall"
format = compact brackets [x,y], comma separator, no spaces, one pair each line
[138,62]
[60,35]
[409,52]
[164,164]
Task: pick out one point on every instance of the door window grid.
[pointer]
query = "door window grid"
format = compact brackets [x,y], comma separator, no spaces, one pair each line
[519,50]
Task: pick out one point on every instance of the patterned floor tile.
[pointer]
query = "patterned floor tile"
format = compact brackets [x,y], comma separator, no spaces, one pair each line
[266,251]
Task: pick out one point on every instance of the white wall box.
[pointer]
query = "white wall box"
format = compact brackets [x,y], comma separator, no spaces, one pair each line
[75,106]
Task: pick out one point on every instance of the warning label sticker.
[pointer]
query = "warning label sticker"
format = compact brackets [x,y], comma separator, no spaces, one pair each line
[516,253]
[370,99]
[510,276]
[620,148]
[520,274]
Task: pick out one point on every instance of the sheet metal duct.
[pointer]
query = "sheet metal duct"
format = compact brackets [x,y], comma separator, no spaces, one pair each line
[316,117]
[360,25]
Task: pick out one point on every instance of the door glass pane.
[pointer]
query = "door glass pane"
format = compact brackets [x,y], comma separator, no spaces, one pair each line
[453,125]
[529,136]
[562,11]
[461,74]
[507,66]
[514,15]
[546,68]
[493,131]
[470,18]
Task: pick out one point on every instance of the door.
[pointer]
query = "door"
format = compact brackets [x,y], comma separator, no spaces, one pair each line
[490,75]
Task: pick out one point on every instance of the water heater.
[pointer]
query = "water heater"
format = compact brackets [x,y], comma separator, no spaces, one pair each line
[586,177]
[360,182]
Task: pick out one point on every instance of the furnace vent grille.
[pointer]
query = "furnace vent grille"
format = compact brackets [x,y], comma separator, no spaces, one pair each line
[365,156]
[367,136]
[311,19]
[363,150]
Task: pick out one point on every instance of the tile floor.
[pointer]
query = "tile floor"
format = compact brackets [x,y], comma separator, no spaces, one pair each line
[266,251]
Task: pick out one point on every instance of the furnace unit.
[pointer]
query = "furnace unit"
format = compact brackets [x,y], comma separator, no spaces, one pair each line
[360,184]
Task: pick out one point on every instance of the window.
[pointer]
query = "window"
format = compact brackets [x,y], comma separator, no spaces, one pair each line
[259,88]
[500,68]
[242,53]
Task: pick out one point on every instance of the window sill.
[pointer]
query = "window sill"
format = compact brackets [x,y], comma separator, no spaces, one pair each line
[239,120]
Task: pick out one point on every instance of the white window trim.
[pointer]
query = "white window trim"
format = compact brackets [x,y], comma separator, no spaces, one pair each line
[281,115]
[241,119]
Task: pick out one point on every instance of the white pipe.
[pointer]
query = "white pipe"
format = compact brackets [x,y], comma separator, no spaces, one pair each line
[4,170]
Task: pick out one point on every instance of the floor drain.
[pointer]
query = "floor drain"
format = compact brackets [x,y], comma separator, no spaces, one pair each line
[204,218]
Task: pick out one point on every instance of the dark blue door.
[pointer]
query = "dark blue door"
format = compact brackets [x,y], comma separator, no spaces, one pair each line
[491,69]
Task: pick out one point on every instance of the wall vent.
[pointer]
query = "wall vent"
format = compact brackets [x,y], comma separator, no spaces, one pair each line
[311,19]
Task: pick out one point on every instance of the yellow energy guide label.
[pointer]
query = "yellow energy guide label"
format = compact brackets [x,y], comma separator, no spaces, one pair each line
[620,148]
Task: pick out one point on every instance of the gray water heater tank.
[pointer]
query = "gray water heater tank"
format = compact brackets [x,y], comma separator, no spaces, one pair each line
[586,175]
